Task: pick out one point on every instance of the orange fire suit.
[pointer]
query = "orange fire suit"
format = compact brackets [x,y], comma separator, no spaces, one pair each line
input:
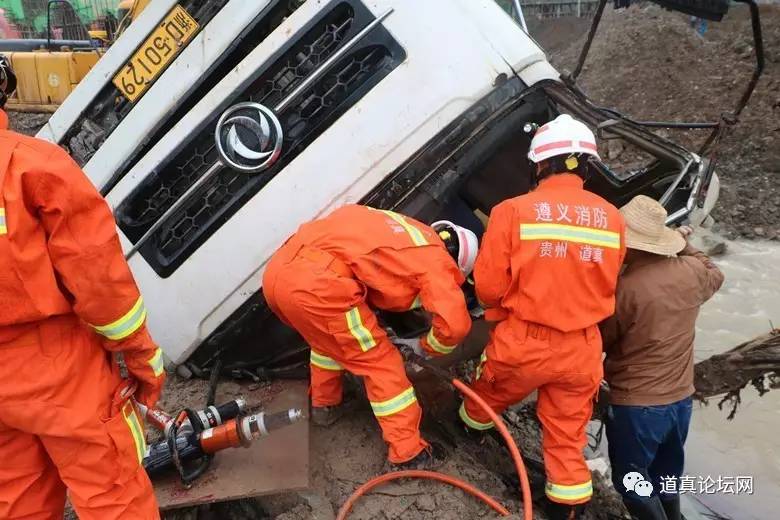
[68,302]
[547,271]
[324,279]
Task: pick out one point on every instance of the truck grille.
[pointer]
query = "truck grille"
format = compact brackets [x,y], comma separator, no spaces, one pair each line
[109,107]
[310,114]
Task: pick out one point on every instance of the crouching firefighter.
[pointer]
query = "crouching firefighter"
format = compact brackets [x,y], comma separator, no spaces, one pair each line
[67,303]
[547,273]
[323,282]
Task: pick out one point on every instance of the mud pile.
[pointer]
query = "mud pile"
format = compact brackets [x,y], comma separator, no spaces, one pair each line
[651,64]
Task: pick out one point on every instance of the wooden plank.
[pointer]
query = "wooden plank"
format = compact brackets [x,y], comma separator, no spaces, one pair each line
[279,462]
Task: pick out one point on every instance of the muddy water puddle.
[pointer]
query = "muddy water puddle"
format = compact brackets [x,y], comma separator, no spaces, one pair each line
[749,445]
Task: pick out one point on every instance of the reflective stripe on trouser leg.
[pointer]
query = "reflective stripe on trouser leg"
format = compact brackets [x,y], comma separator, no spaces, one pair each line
[137,432]
[326,380]
[473,423]
[392,398]
[324,362]
[395,404]
[571,494]
[359,331]
[437,345]
[401,432]
[564,411]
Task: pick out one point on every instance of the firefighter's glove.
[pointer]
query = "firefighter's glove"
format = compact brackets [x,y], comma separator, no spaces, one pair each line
[147,368]
[410,346]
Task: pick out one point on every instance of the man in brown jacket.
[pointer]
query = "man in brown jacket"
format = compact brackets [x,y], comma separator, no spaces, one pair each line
[649,363]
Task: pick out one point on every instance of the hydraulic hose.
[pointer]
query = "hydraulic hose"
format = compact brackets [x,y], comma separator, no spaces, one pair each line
[433,475]
[514,451]
[525,486]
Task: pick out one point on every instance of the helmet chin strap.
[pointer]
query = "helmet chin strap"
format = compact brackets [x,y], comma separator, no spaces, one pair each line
[556,165]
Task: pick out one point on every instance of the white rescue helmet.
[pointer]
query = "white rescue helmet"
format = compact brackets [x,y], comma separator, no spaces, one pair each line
[461,243]
[564,135]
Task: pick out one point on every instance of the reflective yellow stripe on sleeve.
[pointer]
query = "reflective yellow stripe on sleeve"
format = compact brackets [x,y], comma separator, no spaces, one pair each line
[359,331]
[471,423]
[416,304]
[324,362]
[416,235]
[128,412]
[394,405]
[157,363]
[3,228]
[437,345]
[569,494]
[126,325]
[578,234]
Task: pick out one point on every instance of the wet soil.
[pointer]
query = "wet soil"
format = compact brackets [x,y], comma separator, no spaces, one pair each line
[350,452]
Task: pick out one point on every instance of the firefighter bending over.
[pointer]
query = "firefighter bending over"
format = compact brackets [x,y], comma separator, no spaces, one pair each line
[323,282]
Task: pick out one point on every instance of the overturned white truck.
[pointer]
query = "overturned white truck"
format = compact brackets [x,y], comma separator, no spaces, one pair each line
[215,128]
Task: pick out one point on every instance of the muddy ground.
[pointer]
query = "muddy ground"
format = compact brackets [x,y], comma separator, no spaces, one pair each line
[351,452]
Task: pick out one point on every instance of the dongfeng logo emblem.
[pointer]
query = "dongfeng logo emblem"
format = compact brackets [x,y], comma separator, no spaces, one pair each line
[249,137]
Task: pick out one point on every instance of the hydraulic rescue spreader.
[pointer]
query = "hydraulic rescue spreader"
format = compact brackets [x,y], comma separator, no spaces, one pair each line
[197,435]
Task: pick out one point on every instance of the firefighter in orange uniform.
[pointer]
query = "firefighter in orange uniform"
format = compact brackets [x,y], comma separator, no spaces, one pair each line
[322,281]
[547,272]
[67,302]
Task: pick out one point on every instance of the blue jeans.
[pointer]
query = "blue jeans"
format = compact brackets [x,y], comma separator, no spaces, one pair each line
[648,440]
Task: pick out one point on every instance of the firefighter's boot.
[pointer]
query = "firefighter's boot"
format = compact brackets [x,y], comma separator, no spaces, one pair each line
[326,415]
[558,511]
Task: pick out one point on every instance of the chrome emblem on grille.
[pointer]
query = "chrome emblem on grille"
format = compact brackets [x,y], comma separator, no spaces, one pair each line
[249,137]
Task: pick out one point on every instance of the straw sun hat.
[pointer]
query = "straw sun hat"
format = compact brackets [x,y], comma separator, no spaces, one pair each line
[646,228]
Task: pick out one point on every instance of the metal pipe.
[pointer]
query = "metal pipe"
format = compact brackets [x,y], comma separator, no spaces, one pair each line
[673,187]
[520,17]
[658,124]
[674,125]
[758,44]
[684,212]
[589,41]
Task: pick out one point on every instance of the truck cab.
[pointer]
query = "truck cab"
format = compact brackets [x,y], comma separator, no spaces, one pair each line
[215,129]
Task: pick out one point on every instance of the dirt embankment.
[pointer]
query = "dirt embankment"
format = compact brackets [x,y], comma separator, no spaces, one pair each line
[652,65]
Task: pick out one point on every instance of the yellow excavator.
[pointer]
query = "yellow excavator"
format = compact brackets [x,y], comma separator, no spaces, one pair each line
[48,70]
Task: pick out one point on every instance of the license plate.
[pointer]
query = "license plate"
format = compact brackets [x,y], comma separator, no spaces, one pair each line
[154,55]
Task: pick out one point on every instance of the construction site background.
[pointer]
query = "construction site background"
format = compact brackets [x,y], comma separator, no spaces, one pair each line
[27,18]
